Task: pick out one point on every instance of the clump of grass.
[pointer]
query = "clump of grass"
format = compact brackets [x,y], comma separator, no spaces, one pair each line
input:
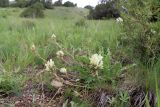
[10,82]
[81,23]
[28,24]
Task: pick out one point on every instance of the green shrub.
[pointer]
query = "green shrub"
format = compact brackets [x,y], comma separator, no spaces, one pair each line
[35,11]
[141,38]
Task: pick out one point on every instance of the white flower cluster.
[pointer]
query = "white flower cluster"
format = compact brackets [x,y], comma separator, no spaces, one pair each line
[119,19]
[49,65]
[96,61]
[63,70]
[53,36]
[60,54]
[33,47]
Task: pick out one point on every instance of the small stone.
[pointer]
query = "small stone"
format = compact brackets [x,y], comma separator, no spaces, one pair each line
[56,84]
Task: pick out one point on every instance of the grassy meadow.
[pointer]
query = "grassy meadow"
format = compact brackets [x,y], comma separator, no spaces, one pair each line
[66,60]
[72,30]
[18,35]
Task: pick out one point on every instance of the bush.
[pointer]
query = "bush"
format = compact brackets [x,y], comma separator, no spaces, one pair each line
[141,38]
[35,11]
[69,4]
[104,11]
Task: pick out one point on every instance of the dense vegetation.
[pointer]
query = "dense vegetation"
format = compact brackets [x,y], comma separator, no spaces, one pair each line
[4,3]
[34,11]
[105,10]
[69,4]
[66,60]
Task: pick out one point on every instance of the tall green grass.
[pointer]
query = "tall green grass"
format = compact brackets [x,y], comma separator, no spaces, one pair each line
[18,34]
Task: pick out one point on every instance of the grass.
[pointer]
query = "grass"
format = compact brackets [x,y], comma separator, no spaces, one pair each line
[18,34]
[74,33]
[72,30]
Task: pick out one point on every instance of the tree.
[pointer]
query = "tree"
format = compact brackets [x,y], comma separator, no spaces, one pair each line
[4,3]
[21,3]
[105,10]
[88,7]
[105,1]
[31,2]
[48,4]
[27,3]
[58,3]
[69,4]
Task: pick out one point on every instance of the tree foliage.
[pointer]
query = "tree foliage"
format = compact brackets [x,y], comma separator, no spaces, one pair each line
[105,10]
[69,4]
[48,4]
[88,7]
[4,3]
[27,3]
[58,3]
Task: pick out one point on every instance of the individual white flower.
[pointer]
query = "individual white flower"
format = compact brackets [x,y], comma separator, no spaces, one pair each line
[53,36]
[63,70]
[49,65]
[119,19]
[33,47]
[96,61]
[47,68]
[60,54]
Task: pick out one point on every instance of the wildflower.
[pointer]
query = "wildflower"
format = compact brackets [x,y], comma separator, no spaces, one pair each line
[96,61]
[119,19]
[33,48]
[63,70]
[53,36]
[60,54]
[49,65]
